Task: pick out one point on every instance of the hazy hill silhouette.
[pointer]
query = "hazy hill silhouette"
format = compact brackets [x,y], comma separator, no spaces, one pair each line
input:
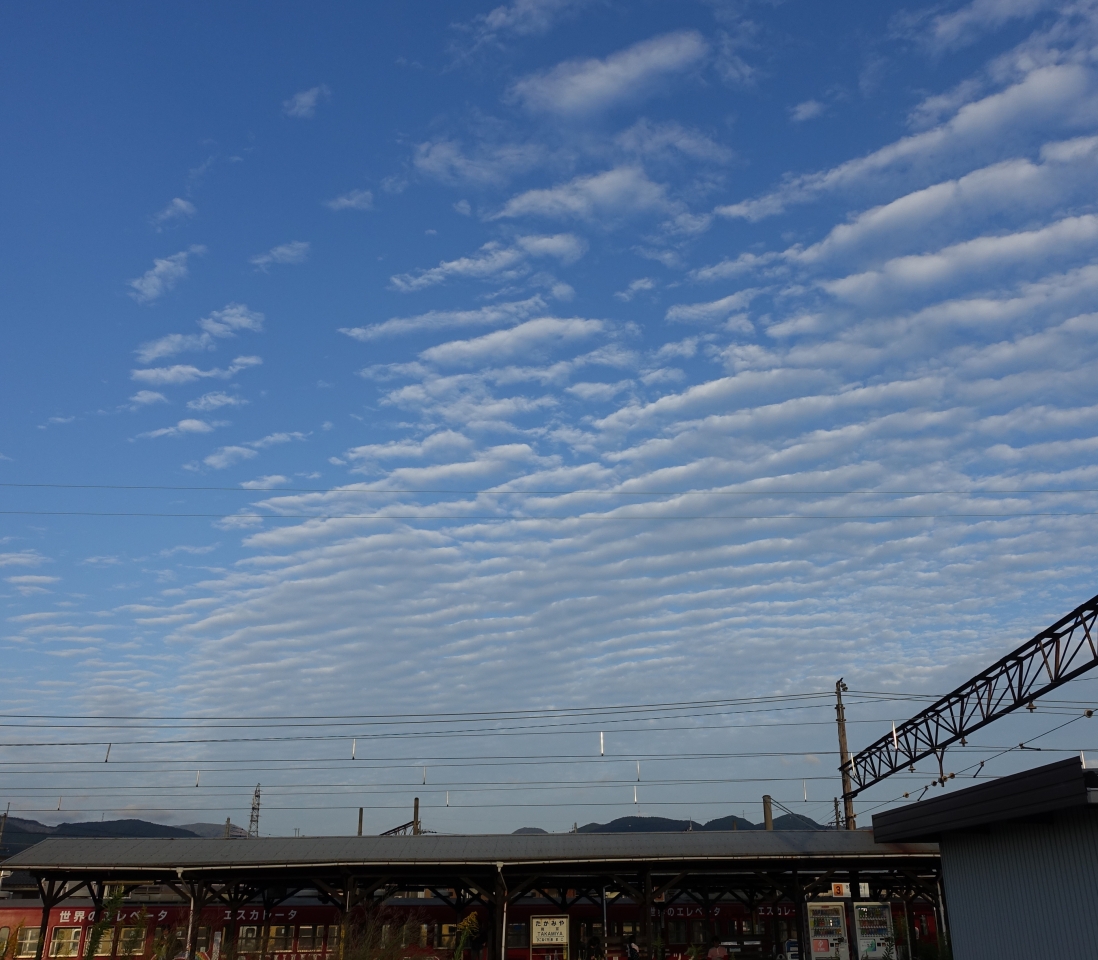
[20,834]
[664,825]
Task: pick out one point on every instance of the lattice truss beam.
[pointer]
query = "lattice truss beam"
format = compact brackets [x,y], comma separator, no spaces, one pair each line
[1056,655]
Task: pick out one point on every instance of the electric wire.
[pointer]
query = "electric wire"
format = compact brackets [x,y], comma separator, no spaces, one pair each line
[549,493]
[575,518]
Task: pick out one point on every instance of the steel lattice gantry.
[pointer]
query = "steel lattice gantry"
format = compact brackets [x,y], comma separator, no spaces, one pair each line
[1062,652]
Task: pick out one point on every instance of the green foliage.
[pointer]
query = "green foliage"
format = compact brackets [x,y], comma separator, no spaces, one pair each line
[467,931]
[13,942]
[169,944]
[103,923]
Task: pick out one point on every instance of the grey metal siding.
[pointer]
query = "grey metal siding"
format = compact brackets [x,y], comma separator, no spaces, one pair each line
[1024,890]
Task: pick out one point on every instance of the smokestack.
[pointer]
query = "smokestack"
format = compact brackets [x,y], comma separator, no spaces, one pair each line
[768,812]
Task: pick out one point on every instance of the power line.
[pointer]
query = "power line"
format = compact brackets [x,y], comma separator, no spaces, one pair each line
[504,714]
[453,786]
[628,804]
[533,713]
[869,491]
[426,735]
[331,763]
[424,518]
[600,721]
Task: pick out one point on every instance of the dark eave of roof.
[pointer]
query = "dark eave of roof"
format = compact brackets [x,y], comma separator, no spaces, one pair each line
[1056,787]
[416,855]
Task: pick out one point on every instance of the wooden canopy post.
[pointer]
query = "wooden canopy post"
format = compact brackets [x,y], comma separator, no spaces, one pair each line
[650,953]
[52,893]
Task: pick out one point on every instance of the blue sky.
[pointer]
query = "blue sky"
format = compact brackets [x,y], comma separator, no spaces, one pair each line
[677,351]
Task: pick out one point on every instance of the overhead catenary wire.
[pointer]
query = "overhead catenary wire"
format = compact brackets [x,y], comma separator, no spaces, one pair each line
[237,721]
[326,763]
[403,806]
[424,735]
[644,718]
[406,491]
[456,786]
[505,714]
[569,722]
[983,763]
[573,518]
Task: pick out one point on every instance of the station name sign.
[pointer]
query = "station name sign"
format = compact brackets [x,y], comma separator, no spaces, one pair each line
[547,931]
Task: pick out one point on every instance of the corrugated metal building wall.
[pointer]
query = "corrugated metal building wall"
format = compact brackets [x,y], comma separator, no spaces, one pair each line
[1046,870]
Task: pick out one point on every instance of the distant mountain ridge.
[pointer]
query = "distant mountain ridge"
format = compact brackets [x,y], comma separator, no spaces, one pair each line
[787,821]
[664,825]
[20,834]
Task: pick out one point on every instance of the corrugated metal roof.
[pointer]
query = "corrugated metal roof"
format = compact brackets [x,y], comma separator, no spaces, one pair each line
[1056,786]
[60,854]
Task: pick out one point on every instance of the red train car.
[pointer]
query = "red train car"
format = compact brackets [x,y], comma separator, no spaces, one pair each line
[153,928]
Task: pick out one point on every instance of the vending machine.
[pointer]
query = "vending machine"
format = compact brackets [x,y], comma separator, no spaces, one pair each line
[827,937]
[874,929]
[548,938]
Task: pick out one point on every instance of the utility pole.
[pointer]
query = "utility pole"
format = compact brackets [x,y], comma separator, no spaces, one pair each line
[844,756]
[4,823]
[253,824]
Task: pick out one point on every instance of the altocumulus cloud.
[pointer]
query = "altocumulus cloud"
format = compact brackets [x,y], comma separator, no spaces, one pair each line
[302,105]
[496,261]
[929,328]
[297,251]
[587,86]
[164,274]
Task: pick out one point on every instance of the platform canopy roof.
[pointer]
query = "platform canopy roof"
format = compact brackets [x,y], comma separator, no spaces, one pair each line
[491,869]
[569,852]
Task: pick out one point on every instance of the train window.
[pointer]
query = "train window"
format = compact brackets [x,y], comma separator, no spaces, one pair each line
[248,939]
[282,939]
[676,931]
[516,935]
[333,938]
[27,944]
[131,941]
[5,932]
[697,931]
[449,931]
[164,941]
[628,929]
[305,938]
[65,942]
[105,947]
[203,944]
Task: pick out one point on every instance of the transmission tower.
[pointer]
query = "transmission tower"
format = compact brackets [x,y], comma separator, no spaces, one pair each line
[253,824]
